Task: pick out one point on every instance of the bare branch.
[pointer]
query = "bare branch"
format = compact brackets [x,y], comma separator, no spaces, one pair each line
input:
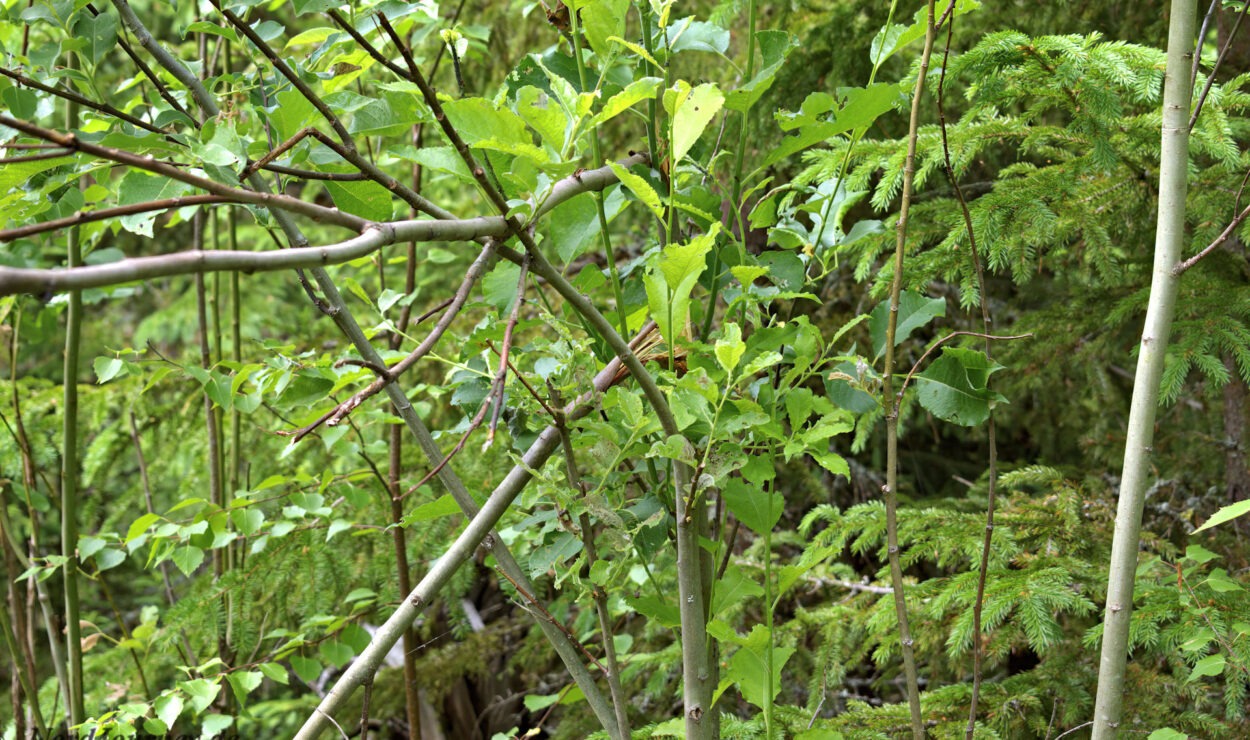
[151,164]
[104,214]
[83,101]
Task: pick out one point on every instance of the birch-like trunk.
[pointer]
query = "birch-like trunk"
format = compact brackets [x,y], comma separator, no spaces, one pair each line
[1169,237]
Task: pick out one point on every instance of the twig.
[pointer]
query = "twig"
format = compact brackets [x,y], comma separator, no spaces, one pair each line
[286,71]
[453,309]
[85,102]
[533,604]
[104,214]
[151,164]
[1181,267]
[1228,44]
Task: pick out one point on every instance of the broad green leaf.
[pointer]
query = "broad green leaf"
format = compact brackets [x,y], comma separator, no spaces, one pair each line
[692,112]
[363,198]
[954,388]
[107,368]
[1167,733]
[215,724]
[187,558]
[914,311]
[1225,514]
[336,653]
[275,672]
[730,347]
[314,6]
[202,692]
[759,510]
[306,668]
[687,34]
[634,93]
[670,282]
[141,525]
[110,558]
[535,702]
[544,114]
[440,507]
[734,588]
[244,683]
[312,36]
[551,556]
[290,113]
[167,708]
[640,188]
[478,120]
[1212,665]
[139,187]
[88,546]
[775,46]
[99,34]
[499,286]
[601,20]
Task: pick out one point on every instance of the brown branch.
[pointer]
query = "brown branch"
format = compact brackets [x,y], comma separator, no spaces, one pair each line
[83,101]
[337,414]
[103,214]
[303,174]
[151,164]
[361,41]
[1228,44]
[533,604]
[1181,267]
[58,154]
[286,71]
[501,377]
[161,89]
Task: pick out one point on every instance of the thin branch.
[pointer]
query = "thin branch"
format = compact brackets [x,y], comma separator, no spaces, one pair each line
[389,375]
[85,102]
[285,70]
[147,71]
[58,154]
[1181,267]
[105,214]
[474,534]
[533,605]
[314,175]
[151,164]
[1228,44]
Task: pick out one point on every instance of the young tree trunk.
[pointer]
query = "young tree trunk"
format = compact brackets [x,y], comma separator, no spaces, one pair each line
[1169,237]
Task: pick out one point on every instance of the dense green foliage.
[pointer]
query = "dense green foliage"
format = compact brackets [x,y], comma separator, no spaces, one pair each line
[733,174]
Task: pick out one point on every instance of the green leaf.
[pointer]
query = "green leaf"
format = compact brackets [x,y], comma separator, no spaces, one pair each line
[499,286]
[914,311]
[215,724]
[187,558]
[140,526]
[640,188]
[336,653]
[306,668]
[364,198]
[88,546]
[109,559]
[167,708]
[479,121]
[275,672]
[107,368]
[303,7]
[138,187]
[440,507]
[775,46]
[688,34]
[692,111]
[634,93]
[202,692]
[1212,665]
[756,508]
[1225,514]
[601,20]
[99,34]
[730,347]
[670,282]
[1167,733]
[248,520]
[954,387]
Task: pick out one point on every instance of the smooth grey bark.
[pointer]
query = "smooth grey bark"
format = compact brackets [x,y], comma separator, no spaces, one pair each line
[477,532]
[1169,238]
